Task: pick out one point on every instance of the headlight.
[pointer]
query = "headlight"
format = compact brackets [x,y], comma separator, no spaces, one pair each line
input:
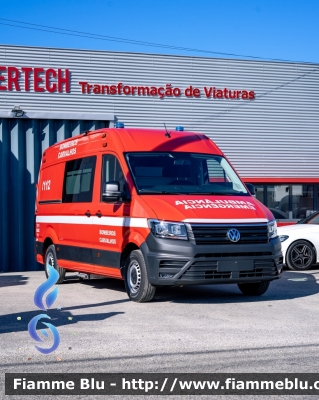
[283,238]
[272,229]
[168,230]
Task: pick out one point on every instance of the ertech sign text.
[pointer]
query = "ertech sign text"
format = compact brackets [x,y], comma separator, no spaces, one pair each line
[34,79]
[165,91]
[57,80]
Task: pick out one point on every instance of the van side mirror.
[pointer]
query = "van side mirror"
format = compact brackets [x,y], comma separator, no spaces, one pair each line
[251,189]
[111,192]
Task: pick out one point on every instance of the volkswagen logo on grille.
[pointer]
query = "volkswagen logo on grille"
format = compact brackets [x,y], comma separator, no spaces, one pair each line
[233,235]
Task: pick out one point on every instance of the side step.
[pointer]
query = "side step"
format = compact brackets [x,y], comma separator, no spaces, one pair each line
[82,276]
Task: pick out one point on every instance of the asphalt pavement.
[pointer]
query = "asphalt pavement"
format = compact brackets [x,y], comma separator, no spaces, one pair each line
[185,329]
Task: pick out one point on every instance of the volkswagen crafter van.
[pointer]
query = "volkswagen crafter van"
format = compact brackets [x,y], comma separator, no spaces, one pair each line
[153,208]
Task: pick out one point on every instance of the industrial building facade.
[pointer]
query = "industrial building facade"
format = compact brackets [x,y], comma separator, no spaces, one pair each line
[263,115]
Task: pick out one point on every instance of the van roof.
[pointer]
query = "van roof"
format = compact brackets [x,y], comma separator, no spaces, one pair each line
[134,140]
[138,139]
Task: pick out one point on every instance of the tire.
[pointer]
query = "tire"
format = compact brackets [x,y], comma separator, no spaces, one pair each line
[254,288]
[300,256]
[136,280]
[50,258]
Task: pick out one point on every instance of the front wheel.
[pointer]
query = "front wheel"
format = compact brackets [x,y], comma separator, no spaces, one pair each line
[50,259]
[254,288]
[300,256]
[136,280]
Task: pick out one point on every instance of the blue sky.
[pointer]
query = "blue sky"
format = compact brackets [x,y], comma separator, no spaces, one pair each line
[281,29]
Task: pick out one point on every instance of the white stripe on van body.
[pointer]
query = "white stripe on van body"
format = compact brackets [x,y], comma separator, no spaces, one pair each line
[93,220]
[133,222]
[226,221]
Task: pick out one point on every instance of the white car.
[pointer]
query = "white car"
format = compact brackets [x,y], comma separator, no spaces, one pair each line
[300,243]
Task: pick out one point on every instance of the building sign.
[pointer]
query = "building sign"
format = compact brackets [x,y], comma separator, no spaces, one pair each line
[54,80]
[166,91]
[40,79]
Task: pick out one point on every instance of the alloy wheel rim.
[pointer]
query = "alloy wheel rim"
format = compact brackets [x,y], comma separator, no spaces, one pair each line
[134,277]
[301,256]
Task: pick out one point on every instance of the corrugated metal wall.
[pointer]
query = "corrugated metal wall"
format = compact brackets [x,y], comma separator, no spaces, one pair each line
[22,142]
[275,135]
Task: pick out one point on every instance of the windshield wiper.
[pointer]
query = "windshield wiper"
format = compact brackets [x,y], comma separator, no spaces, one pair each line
[221,193]
[154,191]
[146,191]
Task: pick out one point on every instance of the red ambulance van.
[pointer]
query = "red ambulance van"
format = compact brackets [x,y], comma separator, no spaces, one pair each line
[153,208]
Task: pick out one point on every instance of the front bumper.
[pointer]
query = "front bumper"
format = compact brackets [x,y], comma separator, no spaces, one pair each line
[176,262]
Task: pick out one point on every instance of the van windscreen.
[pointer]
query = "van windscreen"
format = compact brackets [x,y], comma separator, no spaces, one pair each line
[187,173]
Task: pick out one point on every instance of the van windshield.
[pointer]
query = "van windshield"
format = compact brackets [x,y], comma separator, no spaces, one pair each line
[183,173]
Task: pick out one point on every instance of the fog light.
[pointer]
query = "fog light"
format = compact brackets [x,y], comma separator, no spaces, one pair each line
[166,275]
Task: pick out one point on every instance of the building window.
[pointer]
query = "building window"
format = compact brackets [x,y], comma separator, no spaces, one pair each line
[260,193]
[302,201]
[278,200]
[292,202]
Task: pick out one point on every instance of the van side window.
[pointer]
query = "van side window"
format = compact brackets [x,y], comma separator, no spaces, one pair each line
[78,180]
[112,171]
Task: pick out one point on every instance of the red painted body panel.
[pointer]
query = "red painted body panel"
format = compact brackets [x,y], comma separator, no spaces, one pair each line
[181,207]
[39,258]
[122,140]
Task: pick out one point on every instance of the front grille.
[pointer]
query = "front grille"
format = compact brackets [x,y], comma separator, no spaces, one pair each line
[217,234]
[262,269]
[237,254]
[204,270]
[217,275]
[171,266]
[201,270]
[177,264]
[208,270]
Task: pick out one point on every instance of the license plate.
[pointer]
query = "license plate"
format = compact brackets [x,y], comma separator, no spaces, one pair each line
[235,265]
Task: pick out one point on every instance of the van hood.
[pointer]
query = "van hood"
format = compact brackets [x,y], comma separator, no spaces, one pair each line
[203,208]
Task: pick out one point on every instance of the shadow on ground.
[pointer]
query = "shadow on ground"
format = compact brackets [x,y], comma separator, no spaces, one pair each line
[116,285]
[291,285]
[11,323]
[12,280]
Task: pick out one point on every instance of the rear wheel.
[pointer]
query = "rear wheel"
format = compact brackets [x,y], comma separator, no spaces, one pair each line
[50,259]
[254,288]
[300,256]
[136,280]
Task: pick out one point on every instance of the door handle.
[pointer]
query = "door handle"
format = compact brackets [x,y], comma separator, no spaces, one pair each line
[99,214]
[88,214]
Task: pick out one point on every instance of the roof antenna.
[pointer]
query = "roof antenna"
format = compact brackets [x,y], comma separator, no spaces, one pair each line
[167,133]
